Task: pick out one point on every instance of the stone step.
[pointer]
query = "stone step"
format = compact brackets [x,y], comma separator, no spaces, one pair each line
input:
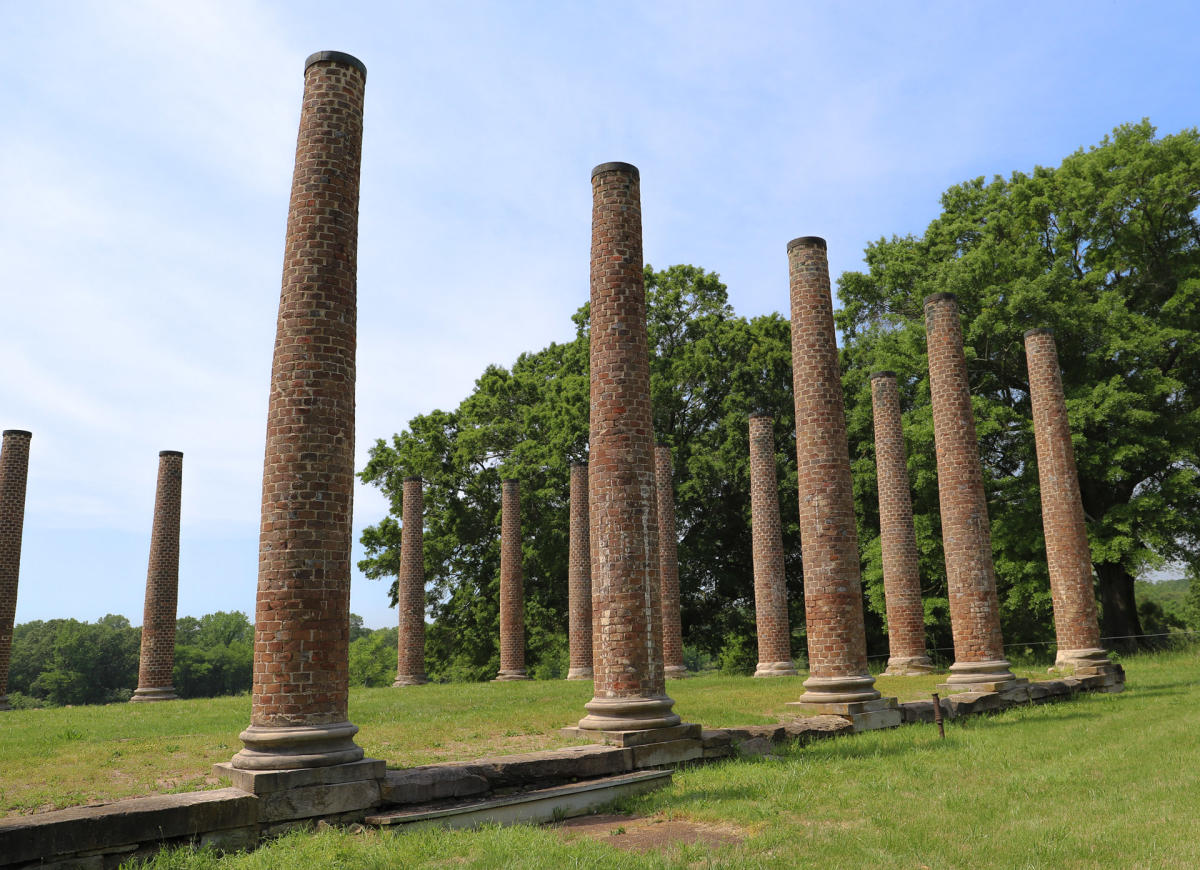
[542,805]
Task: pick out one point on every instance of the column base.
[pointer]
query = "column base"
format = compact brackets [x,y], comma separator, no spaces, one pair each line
[579,674]
[513,674]
[1085,659]
[158,693]
[409,680]
[776,669]
[906,666]
[675,672]
[629,714]
[851,689]
[987,676]
[300,793]
[285,747]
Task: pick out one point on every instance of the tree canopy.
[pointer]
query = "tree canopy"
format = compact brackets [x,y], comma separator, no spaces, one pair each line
[709,370]
[1104,250]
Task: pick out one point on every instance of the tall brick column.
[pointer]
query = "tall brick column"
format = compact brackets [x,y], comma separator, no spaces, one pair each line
[770,582]
[979,661]
[298,712]
[156,665]
[1067,551]
[579,578]
[14,472]
[410,589]
[898,538]
[837,645]
[630,689]
[512,586]
[668,565]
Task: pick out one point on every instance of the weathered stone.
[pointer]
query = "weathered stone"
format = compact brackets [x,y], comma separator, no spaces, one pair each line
[139,820]
[970,703]
[431,783]
[231,839]
[318,800]
[718,752]
[669,752]
[753,746]
[686,730]
[715,737]
[569,763]
[754,732]
[816,727]
[922,711]
[873,720]
[261,782]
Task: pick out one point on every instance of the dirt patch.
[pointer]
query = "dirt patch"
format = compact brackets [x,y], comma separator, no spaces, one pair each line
[641,834]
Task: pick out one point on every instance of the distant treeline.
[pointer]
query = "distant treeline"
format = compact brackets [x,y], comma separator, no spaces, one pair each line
[65,661]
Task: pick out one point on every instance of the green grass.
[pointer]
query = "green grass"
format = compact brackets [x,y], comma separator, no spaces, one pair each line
[67,756]
[1101,781]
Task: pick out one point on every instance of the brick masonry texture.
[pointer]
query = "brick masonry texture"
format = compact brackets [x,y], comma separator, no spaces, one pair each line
[1067,551]
[668,564]
[512,585]
[300,687]
[630,689]
[837,646]
[14,472]
[157,661]
[770,582]
[410,588]
[966,534]
[579,578]
[898,539]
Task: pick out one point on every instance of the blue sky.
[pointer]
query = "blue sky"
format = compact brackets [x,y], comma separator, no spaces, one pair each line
[146,159]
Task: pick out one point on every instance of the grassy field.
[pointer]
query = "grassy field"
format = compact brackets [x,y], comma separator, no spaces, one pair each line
[66,756]
[1108,781]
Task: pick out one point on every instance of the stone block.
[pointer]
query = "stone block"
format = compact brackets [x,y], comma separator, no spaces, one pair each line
[431,783]
[318,800]
[683,731]
[772,733]
[262,782]
[754,746]
[811,728]
[718,752]
[716,737]
[231,839]
[971,703]
[138,820]
[1055,688]
[669,752]
[572,762]
[873,720]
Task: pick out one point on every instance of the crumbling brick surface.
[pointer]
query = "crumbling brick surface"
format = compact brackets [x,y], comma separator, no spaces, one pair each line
[770,580]
[410,588]
[14,473]
[512,583]
[668,563]
[579,577]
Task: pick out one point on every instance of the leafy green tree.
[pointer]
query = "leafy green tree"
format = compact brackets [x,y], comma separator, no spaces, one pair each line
[214,655]
[90,663]
[709,370]
[373,657]
[1105,250]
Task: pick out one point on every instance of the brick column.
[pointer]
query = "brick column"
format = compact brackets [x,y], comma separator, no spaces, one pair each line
[770,584]
[979,661]
[630,689]
[837,645]
[410,589]
[156,665]
[14,472]
[579,578]
[668,565]
[898,538]
[1067,551]
[512,586]
[298,712]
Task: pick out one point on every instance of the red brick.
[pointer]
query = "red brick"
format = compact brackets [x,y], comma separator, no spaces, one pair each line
[630,689]
[966,532]
[308,470]
[410,589]
[579,578]
[157,661]
[770,580]
[837,645]
[898,538]
[668,564]
[14,474]
[512,585]
[1068,555]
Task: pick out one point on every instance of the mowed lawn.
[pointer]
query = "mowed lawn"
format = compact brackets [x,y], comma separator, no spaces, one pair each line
[1099,781]
[67,756]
